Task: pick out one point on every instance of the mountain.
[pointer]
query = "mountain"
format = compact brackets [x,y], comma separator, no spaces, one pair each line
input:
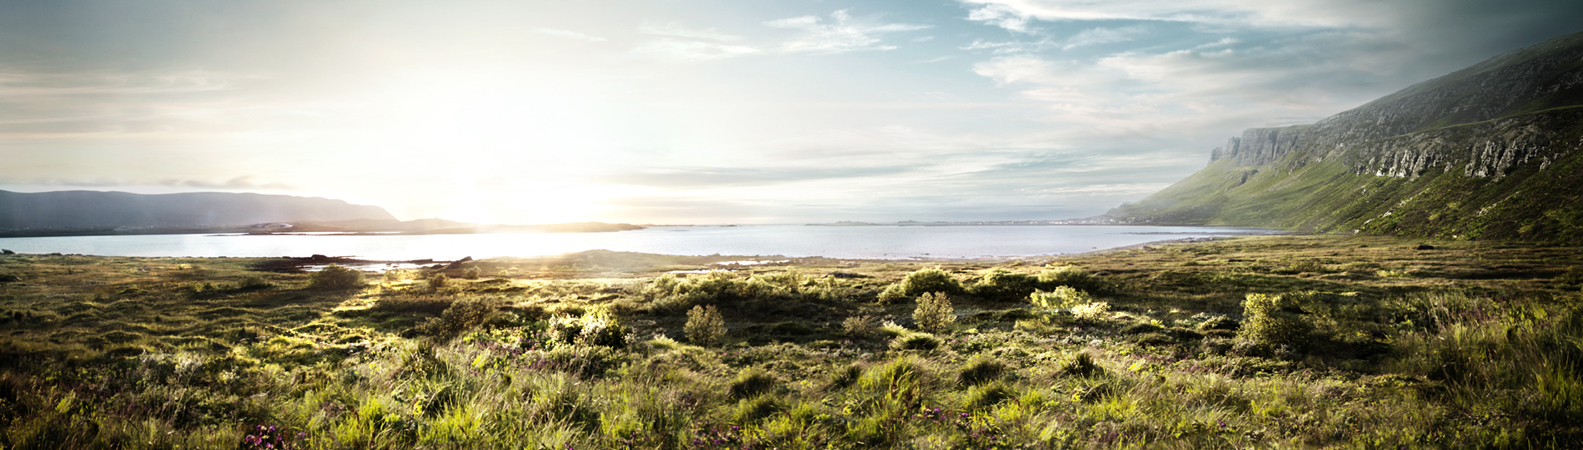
[86,210]
[1491,151]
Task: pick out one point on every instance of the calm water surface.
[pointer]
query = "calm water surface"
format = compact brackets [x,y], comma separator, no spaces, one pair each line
[870,242]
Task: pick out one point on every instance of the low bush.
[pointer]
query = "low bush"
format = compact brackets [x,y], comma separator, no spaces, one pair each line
[1092,311]
[986,396]
[921,282]
[916,341]
[705,326]
[980,370]
[1080,364]
[1060,297]
[1273,321]
[460,317]
[1002,284]
[438,282]
[934,313]
[335,277]
[472,273]
[860,327]
[1073,277]
[752,382]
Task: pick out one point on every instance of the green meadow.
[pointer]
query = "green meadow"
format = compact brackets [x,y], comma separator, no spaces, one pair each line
[1266,341]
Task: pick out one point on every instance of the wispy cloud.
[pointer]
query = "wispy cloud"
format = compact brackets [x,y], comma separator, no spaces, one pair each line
[841,34]
[1094,36]
[568,34]
[685,50]
[678,31]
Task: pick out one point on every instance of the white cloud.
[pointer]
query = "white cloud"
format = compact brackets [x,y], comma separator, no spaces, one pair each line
[841,36]
[568,34]
[677,31]
[1015,15]
[1094,36]
[676,49]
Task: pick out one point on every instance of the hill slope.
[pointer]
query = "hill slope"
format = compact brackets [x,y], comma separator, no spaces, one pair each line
[94,209]
[1491,151]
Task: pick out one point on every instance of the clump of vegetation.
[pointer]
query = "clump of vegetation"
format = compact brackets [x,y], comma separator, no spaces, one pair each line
[1080,364]
[335,277]
[860,326]
[980,370]
[915,341]
[438,282]
[472,273]
[921,282]
[1274,320]
[751,383]
[1061,297]
[460,317]
[705,326]
[1091,311]
[1071,276]
[1003,284]
[934,313]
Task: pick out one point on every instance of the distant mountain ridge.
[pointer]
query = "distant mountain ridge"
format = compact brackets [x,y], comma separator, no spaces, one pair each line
[1491,151]
[99,209]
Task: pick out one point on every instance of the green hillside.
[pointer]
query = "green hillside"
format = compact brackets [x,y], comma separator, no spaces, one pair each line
[1469,155]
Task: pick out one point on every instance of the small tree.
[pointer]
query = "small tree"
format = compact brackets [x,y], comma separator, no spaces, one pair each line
[704,325]
[934,313]
[335,277]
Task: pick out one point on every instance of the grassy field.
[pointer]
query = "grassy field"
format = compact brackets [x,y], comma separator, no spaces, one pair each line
[1273,341]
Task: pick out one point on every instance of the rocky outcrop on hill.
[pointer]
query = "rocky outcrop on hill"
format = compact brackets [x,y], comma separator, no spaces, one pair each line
[1504,137]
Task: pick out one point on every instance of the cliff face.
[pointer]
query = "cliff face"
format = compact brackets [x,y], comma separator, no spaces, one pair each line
[93,209]
[1489,151]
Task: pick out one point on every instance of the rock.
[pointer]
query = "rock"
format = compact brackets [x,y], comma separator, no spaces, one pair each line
[318,257]
[1424,247]
[6,252]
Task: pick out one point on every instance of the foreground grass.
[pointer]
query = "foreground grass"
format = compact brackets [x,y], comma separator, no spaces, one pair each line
[1345,342]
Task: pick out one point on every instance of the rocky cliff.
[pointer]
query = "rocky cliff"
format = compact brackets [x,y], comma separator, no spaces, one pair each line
[94,210]
[1494,150]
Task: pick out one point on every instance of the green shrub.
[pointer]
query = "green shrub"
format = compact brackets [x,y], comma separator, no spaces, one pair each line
[986,396]
[438,282]
[335,277]
[934,313]
[753,410]
[1060,297]
[916,341]
[472,273]
[1079,365]
[1004,284]
[921,282]
[461,317]
[859,327]
[1092,311]
[1272,321]
[1072,277]
[704,325]
[980,370]
[752,382]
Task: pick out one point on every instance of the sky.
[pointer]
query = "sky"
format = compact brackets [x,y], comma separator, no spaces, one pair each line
[700,111]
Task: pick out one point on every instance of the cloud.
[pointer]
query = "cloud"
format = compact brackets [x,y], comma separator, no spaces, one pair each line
[568,34]
[1016,15]
[45,84]
[842,35]
[1093,36]
[677,31]
[676,49]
